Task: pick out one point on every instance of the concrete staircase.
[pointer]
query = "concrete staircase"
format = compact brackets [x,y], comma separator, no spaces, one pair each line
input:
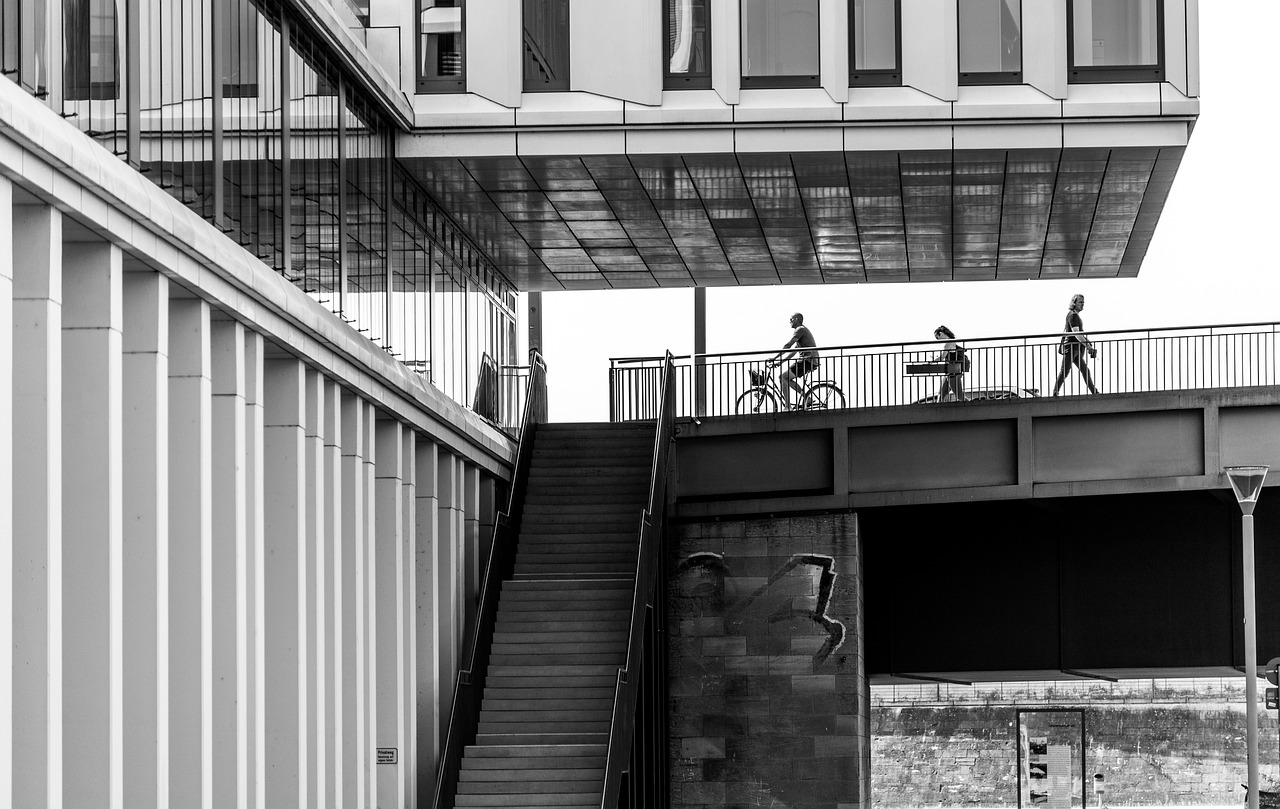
[562,624]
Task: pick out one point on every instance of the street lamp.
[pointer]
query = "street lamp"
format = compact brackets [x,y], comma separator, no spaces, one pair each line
[1246,482]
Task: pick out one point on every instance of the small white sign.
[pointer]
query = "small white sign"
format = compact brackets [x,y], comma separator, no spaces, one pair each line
[386,755]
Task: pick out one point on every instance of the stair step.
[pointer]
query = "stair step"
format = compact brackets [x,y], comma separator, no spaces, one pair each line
[539,801]
[570,717]
[584,541]
[518,687]
[620,583]
[615,635]
[506,626]
[527,773]
[520,614]
[621,565]
[530,660]
[530,788]
[547,704]
[562,670]
[571,647]
[537,750]
[572,557]
[542,738]
[567,595]
[587,473]
[582,507]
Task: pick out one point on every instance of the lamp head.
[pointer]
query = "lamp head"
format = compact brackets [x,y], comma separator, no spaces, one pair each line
[1246,482]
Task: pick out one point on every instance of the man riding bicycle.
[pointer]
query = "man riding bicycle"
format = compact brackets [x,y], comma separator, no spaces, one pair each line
[802,347]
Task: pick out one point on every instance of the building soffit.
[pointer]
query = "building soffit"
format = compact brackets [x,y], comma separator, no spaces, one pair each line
[599,221]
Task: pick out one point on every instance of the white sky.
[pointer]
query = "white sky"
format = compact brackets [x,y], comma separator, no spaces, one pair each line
[1210,261]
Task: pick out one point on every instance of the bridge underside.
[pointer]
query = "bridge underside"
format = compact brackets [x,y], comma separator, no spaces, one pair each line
[1038,539]
[680,220]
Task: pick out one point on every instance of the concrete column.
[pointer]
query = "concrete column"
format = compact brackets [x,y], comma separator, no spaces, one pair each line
[285,605]
[473,567]
[190,556]
[353,755]
[389,596]
[488,517]
[331,592]
[92,514]
[408,626]
[230,568]
[448,586]
[313,426]
[34,293]
[254,647]
[7,590]
[146,538]
[429,723]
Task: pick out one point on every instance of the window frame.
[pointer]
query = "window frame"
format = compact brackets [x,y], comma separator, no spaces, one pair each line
[878,77]
[688,80]
[795,80]
[436,84]
[78,83]
[974,78]
[1114,74]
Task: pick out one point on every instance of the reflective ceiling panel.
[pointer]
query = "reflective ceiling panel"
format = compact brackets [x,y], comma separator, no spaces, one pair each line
[634,221]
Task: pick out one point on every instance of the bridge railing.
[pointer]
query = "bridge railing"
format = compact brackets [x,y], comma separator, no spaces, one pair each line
[1129,361]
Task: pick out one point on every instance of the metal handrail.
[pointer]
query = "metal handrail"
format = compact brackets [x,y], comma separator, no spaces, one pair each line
[464,716]
[626,755]
[1018,366]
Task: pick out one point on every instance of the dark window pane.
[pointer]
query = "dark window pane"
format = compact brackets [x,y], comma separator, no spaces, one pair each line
[688,44]
[546,45]
[1115,33]
[92,63]
[240,50]
[780,40]
[440,45]
[875,35]
[990,36]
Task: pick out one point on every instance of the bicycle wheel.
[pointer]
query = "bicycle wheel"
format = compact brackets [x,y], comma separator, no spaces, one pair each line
[756,400]
[824,396]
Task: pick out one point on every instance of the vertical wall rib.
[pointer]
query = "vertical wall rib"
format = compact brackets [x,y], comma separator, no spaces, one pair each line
[35,295]
[230,519]
[146,538]
[190,556]
[285,555]
[332,591]
[427,639]
[92,467]
[7,581]
[368,596]
[353,721]
[448,593]
[408,627]
[314,574]
[254,649]
[390,536]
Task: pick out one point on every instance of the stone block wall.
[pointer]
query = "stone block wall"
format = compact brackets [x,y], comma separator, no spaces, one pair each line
[1150,754]
[768,689]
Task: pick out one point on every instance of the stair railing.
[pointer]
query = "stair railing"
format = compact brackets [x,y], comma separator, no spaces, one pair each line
[464,717]
[635,767]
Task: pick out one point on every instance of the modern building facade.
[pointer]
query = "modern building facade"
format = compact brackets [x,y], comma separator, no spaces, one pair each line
[259,262]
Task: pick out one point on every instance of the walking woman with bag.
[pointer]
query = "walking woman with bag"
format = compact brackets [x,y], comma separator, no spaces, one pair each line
[1073,347]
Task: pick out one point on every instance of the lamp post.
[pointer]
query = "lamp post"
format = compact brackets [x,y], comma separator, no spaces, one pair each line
[1246,482]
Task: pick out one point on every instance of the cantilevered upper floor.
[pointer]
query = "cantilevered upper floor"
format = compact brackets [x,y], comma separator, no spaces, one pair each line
[615,143]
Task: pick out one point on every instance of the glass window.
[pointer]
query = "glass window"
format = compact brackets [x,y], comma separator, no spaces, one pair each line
[688,45]
[239,50]
[92,58]
[780,43]
[546,45]
[875,44]
[1116,40]
[441,66]
[990,42]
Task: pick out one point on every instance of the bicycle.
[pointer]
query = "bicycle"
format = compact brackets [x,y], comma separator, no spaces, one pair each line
[764,395]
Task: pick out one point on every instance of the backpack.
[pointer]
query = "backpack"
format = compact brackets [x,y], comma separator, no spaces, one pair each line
[959,356]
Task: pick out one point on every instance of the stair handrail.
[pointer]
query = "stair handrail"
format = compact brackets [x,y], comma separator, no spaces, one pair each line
[464,716]
[649,561]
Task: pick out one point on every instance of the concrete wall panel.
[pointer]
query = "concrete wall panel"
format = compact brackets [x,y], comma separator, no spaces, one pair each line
[933,456]
[1114,446]
[1250,436]
[755,464]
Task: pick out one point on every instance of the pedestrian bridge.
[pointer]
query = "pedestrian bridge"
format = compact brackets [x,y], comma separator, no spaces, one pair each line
[1030,537]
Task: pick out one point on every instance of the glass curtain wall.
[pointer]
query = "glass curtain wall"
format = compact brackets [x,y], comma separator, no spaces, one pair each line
[990,41]
[240,112]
